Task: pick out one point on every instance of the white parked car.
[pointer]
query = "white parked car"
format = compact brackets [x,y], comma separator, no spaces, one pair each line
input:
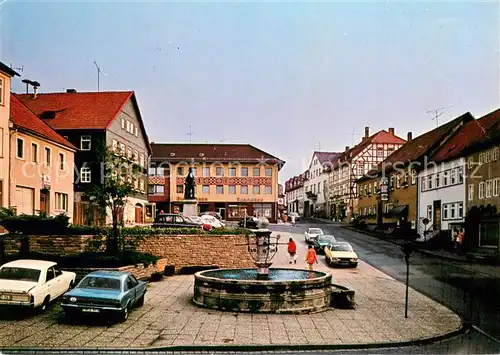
[311,234]
[33,283]
[294,215]
[214,222]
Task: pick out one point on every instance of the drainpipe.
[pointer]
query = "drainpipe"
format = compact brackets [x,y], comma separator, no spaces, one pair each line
[12,130]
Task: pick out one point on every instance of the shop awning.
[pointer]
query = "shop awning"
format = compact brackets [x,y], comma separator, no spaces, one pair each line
[399,211]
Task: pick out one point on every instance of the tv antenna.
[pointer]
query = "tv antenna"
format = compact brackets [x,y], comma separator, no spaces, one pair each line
[437,112]
[353,135]
[99,72]
[190,134]
[319,146]
[222,140]
[18,69]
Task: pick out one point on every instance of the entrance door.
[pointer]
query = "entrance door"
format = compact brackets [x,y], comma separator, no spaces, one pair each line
[44,203]
[138,214]
[222,212]
[436,218]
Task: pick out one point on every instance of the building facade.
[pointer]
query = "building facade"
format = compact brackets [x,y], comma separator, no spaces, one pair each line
[441,197]
[388,195]
[93,121]
[316,183]
[41,165]
[355,162]
[294,191]
[482,227]
[6,75]
[235,180]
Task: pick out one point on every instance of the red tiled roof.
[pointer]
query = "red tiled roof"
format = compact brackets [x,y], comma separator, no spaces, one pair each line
[78,110]
[23,118]
[471,133]
[418,147]
[326,157]
[211,152]
[381,136]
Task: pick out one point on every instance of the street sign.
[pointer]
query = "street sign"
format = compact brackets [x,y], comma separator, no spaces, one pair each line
[384,189]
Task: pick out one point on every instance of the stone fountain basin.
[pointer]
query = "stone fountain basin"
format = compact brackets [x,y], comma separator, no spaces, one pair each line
[286,290]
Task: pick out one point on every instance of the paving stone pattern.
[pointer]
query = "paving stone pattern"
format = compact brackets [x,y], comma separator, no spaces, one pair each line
[170,318]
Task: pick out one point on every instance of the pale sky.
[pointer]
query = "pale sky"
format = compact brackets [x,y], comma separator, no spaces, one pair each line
[287,77]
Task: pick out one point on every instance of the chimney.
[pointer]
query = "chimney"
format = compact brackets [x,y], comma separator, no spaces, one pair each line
[367,132]
[391,130]
[346,148]
[35,85]
[70,91]
[409,136]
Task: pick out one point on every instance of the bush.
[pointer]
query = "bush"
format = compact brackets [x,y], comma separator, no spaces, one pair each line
[34,224]
[94,259]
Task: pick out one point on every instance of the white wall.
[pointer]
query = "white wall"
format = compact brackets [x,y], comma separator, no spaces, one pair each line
[447,194]
[316,175]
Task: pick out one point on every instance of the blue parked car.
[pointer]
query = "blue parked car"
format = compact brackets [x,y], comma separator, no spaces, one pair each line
[105,292]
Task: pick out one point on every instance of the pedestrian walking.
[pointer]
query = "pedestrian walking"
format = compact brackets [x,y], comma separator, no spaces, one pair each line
[292,251]
[285,218]
[311,257]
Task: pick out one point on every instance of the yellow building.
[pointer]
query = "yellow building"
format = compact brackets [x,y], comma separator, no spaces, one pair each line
[232,179]
[41,162]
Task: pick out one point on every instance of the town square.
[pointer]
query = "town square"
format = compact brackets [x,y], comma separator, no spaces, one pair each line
[249,177]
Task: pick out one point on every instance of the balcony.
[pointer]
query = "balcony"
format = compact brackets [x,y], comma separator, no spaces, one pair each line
[311,195]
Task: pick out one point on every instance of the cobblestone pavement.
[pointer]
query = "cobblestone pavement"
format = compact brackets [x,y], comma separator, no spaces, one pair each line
[170,318]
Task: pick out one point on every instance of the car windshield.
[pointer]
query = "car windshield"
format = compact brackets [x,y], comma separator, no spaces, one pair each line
[19,274]
[341,247]
[326,239]
[315,231]
[100,282]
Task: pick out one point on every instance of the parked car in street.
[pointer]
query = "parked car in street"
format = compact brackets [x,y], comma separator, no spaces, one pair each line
[249,222]
[211,220]
[311,234]
[172,220]
[342,254]
[322,241]
[105,292]
[199,221]
[213,214]
[33,283]
[295,215]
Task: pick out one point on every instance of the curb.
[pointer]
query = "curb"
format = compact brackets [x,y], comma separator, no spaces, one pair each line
[423,251]
[464,328]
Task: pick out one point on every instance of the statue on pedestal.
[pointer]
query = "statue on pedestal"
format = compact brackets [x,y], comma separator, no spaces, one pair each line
[189,185]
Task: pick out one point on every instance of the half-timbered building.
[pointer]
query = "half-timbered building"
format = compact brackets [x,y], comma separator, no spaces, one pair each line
[355,162]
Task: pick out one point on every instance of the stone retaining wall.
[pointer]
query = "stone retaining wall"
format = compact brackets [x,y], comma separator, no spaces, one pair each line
[224,251]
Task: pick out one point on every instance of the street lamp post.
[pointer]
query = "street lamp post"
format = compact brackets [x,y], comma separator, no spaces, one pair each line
[407,248]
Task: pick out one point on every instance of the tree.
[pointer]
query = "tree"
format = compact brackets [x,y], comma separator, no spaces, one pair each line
[117,174]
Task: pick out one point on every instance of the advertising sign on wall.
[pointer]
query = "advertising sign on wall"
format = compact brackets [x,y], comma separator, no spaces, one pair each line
[384,189]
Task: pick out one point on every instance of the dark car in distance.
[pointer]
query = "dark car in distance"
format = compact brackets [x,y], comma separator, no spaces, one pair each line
[249,222]
[322,241]
[172,220]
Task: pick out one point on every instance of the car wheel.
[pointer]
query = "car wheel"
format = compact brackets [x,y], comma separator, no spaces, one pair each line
[45,304]
[355,265]
[71,285]
[140,301]
[124,313]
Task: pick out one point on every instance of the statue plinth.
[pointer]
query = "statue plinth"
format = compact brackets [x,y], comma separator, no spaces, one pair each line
[189,207]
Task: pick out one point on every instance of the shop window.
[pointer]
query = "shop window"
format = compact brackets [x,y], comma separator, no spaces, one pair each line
[237,211]
[263,210]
